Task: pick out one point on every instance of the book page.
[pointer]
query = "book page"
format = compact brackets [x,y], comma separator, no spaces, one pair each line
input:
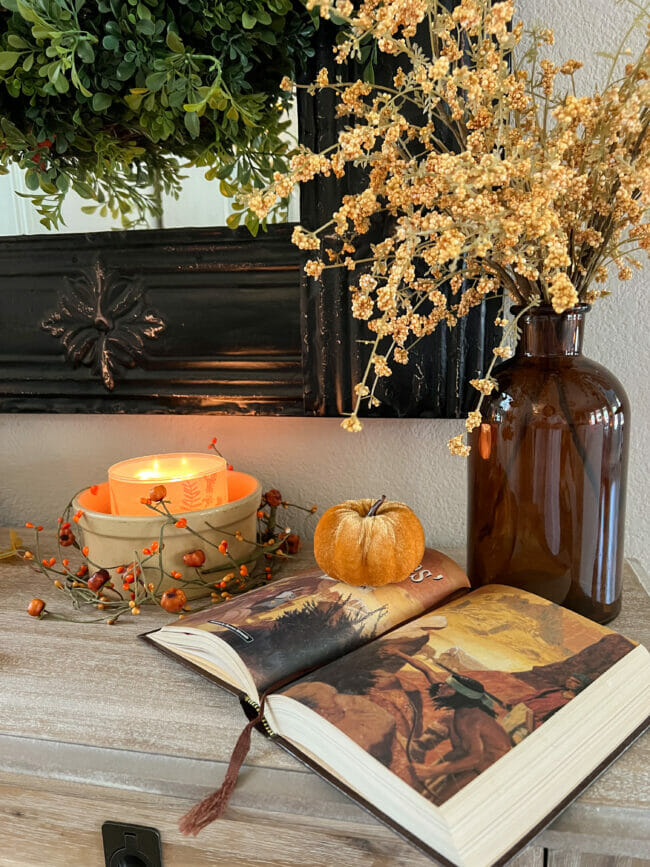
[443,698]
[295,624]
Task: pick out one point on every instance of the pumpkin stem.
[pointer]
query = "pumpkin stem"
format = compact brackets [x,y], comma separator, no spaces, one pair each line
[375,506]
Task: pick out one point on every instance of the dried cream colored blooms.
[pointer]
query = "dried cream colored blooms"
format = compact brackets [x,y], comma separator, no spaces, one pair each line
[352,424]
[457,446]
[473,420]
[495,177]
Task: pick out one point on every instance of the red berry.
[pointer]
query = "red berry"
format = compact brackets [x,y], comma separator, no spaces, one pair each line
[292,543]
[173,600]
[158,493]
[35,607]
[98,579]
[273,497]
[194,558]
[66,538]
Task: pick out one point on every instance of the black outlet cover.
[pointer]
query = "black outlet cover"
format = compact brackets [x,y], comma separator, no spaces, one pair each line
[131,845]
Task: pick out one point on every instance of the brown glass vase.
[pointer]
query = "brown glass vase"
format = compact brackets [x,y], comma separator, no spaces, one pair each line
[547,472]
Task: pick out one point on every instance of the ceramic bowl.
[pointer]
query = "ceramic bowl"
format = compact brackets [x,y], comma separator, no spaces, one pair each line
[112,540]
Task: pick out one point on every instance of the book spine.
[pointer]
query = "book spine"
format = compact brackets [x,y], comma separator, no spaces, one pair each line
[267,728]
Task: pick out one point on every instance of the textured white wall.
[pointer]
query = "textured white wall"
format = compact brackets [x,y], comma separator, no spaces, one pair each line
[43,459]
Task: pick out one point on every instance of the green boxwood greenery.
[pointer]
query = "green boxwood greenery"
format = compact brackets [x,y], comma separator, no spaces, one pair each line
[112,98]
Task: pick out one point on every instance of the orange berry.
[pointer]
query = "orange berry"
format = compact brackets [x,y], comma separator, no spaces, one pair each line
[222,584]
[181,523]
[94,489]
[243,571]
[84,550]
[51,561]
[125,586]
[154,546]
[173,600]
[59,520]
[58,584]
[29,525]
[135,610]
[223,547]
[65,562]
[36,607]
[260,515]
[150,587]
[146,551]
[145,501]
[158,493]
[39,528]
[132,604]
[194,558]
[120,570]
[110,622]
[101,607]
[28,555]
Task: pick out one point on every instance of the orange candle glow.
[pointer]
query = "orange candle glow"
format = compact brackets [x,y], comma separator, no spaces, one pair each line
[193,481]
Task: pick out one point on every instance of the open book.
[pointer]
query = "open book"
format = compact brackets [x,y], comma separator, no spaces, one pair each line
[465,720]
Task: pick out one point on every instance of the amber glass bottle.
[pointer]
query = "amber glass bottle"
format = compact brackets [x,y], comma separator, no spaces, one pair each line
[547,472]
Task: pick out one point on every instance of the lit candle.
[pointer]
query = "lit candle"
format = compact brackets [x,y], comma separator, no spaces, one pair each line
[192,481]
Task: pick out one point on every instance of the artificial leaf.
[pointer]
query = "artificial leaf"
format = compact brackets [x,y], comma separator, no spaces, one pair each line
[174,42]
[101,101]
[249,21]
[8,59]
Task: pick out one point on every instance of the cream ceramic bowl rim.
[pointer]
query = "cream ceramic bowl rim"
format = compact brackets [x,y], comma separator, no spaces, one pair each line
[224,508]
[204,455]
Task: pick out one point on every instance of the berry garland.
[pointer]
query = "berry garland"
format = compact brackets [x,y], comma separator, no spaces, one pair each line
[90,585]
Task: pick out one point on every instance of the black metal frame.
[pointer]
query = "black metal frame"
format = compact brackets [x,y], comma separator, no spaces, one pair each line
[151,321]
[208,320]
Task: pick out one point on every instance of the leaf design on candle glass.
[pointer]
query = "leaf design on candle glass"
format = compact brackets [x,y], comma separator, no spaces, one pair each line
[210,482]
[191,495]
[102,322]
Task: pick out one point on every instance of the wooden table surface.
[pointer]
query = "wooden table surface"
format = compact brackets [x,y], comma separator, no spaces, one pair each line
[95,725]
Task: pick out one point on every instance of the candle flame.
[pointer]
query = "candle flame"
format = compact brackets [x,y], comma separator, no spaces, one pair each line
[155,474]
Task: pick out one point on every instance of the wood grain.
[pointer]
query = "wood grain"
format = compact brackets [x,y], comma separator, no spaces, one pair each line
[580,859]
[96,725]
[56,823]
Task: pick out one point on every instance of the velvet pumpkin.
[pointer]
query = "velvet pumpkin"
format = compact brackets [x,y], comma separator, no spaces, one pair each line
[365,542]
